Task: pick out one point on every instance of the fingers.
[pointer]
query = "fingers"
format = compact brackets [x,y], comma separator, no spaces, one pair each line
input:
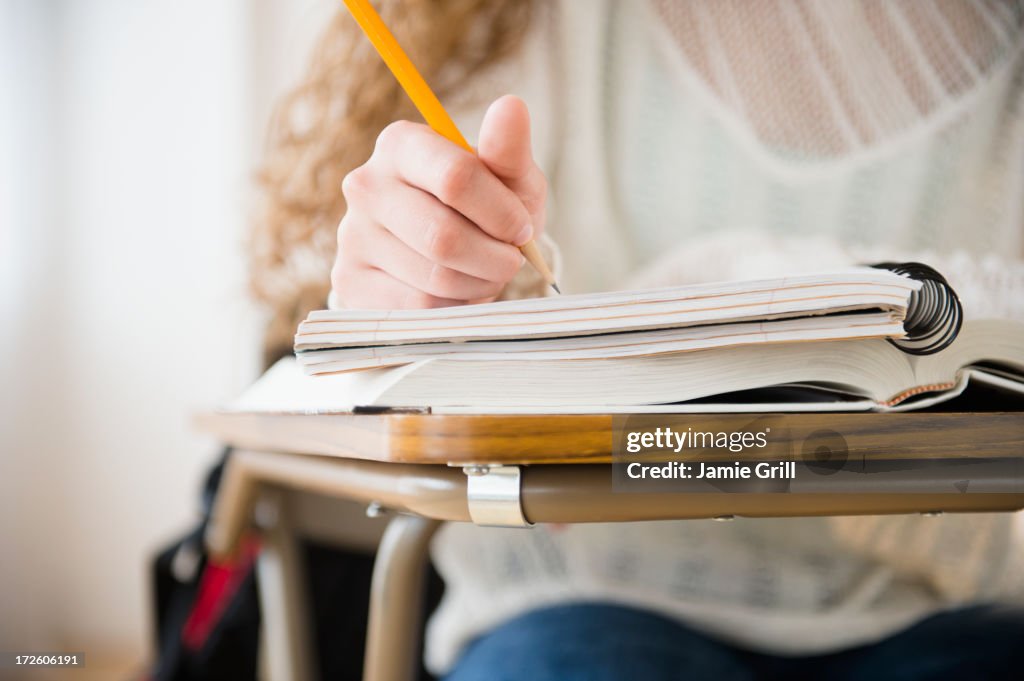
[437,232]
[460,180]
[505,149]
[390,254]
[430,224]
[369,288]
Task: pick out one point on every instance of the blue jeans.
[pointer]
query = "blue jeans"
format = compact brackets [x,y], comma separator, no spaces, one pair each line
[597,642]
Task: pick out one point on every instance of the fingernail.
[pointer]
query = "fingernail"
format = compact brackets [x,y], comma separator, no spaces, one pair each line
[524,236]
[522,259]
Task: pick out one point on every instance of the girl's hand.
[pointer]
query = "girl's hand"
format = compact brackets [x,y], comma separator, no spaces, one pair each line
[429,224]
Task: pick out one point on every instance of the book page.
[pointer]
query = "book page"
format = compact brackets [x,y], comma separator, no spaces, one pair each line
[285,389]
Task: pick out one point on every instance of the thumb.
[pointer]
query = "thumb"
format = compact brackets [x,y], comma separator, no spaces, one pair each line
[504,147]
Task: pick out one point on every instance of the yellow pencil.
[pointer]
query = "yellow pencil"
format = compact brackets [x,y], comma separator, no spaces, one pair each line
[425,100]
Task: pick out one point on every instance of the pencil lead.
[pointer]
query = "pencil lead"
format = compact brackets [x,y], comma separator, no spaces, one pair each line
[555,286]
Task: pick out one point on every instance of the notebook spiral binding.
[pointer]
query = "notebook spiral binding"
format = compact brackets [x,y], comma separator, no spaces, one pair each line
[934,315]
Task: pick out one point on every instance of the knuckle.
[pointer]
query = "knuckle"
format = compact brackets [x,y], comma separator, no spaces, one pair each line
[455,178]
[391,136]
[356,184]
[442,242]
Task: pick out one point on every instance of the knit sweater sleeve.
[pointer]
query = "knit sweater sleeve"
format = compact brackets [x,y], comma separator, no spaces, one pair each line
[963,557]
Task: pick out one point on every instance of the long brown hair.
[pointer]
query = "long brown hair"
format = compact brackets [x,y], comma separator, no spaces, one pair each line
[327,126]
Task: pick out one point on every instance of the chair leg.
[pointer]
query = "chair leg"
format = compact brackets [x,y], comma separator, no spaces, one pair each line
[283,595]
[396,600]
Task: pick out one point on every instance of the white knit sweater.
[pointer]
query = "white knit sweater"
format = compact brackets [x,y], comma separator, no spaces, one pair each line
[687,141]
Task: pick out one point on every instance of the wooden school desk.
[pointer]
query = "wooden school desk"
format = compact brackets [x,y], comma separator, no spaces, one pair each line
[424,469]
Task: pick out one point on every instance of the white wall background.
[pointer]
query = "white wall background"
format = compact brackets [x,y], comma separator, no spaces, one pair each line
[129,130]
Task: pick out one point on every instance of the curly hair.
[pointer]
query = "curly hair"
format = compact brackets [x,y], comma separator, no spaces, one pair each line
[327,125]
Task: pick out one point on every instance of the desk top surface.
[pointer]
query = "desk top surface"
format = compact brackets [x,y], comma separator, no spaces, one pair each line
[549,439]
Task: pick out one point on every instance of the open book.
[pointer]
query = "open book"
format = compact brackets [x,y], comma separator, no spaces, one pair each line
[860,338]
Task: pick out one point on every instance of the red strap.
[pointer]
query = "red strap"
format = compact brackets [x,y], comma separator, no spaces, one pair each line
[217,586]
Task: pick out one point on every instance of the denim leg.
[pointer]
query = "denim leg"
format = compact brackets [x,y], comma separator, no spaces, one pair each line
[983,643]
[597,642]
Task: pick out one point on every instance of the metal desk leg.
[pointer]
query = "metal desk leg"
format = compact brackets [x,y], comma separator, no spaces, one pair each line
[396,600]
[283,595]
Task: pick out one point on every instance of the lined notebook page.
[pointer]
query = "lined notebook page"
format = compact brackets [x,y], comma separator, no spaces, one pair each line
[587,314]
[610,346]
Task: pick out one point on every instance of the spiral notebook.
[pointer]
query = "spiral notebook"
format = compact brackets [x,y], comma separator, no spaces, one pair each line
[882,337]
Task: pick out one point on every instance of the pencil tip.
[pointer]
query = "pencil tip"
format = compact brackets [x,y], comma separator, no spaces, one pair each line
[555,286]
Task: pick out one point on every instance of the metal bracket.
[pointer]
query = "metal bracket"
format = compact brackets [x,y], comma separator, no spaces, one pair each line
[493,492]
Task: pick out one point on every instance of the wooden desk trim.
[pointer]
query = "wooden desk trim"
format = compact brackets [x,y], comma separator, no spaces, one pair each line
[552,439]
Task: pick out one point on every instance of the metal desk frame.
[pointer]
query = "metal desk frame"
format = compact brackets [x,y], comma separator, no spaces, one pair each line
[258,482]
